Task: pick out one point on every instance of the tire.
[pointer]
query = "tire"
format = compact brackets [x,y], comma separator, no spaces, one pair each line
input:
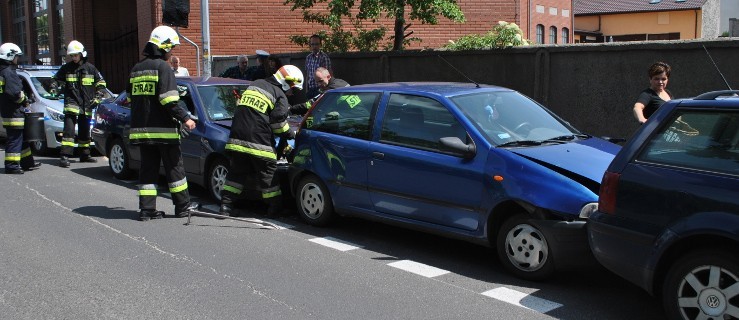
[314,202]
[702,285]
[217,173]
[119,160]
[523,249]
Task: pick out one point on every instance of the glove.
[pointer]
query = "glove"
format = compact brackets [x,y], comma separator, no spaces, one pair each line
[183,132]
[289,134]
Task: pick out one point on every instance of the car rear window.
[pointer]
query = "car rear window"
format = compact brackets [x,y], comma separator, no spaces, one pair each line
[704,140]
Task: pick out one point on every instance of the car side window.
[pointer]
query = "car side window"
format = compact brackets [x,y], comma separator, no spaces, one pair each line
[419,122]
[345,113]
[704,140]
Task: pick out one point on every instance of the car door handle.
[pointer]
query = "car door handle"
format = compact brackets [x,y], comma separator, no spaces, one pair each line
[378,155]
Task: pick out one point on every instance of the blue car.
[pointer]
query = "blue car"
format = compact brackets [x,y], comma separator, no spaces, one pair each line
[212,100]
[480,163]
[668,219]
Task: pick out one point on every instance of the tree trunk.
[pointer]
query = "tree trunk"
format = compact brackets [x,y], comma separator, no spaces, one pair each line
[399,24]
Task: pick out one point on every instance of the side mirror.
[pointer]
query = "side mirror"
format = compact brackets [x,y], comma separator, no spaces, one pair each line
[456,146]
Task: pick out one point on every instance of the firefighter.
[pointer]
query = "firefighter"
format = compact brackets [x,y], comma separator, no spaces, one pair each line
[156,118]
[260,115]
[13,104]
[83,88]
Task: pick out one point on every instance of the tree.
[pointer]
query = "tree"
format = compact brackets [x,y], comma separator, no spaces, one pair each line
[503,35]
[425,11]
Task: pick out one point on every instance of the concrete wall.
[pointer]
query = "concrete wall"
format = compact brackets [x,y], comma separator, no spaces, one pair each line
[594,86]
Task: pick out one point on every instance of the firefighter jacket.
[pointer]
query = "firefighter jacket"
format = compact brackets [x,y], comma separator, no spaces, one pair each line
[12,98]
[81,81]
[261,113]
[155,114]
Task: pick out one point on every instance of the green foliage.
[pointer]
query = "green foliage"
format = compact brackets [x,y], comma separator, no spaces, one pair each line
[336,39]
[503,35]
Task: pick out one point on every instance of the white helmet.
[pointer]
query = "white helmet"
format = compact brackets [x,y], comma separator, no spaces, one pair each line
[289,76]
[8,51]
[165,38]
[74,47]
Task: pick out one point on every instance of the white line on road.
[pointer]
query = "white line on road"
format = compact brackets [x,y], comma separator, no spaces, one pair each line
[522,300]
[418,268]
[335,243]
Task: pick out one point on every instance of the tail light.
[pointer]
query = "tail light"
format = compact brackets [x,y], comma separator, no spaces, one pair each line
[607,194]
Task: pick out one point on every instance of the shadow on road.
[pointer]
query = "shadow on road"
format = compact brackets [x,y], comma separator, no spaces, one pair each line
[105,212]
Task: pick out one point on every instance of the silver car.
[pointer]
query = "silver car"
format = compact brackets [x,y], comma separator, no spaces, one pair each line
[37,82]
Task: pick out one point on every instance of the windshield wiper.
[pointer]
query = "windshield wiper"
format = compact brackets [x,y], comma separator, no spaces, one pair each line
[521,143]
[569,137]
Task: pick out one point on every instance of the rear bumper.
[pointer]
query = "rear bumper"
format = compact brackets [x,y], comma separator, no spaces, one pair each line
[621,250]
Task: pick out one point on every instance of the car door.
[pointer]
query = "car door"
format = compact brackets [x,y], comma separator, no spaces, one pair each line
[411,177]
[339,127]
[689,166]
[192,149]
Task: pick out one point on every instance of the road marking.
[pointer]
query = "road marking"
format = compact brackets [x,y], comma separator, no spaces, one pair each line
[334,243]
[418,268]
[522,300]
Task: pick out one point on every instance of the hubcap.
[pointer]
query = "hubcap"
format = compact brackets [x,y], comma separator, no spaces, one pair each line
[311,200]
[526,248]
[117,159]
[217,180]
[709,288]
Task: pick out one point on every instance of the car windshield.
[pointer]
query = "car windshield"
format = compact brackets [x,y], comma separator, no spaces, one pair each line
[44,88]
[512,119]
[220,101]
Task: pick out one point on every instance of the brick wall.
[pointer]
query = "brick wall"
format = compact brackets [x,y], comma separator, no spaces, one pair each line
[557,13]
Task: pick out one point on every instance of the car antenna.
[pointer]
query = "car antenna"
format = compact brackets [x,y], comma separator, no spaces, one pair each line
[715,66]
[460,72]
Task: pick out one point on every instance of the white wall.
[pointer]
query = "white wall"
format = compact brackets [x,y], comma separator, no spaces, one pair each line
[729,9]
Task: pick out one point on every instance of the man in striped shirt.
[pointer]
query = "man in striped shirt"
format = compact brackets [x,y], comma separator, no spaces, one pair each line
[315,59]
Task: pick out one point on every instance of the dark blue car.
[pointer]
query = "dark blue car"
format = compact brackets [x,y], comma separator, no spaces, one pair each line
[480,163]
[668,218]
[212,100]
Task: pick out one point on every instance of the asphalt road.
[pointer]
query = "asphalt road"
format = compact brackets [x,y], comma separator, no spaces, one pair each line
[71,248]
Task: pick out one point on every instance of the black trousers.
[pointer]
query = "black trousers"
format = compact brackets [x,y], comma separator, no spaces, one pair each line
[83,134]
[242,166]
[17,152]
[171,156]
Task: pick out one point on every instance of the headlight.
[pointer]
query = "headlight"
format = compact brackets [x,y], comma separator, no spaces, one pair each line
[55,114]
[588,209]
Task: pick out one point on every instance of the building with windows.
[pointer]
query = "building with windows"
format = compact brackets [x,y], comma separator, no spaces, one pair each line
[115,31]
[642,20]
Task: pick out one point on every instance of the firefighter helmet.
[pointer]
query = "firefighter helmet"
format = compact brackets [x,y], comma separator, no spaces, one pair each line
[165,38]
[8,51]
[289,76]
[75,47]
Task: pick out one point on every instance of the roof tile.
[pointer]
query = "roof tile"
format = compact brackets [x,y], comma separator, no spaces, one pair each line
[585,7]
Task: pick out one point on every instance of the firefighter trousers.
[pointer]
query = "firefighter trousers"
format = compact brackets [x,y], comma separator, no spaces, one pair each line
[170,156]
[242,166]
[17,152]
[82,121]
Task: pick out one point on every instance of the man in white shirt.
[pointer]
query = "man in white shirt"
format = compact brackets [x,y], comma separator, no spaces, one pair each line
[178,71]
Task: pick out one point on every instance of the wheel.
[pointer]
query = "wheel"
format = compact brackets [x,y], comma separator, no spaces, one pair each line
[217,178]
[314,202]
[524,250]
[118,160]
[703,285]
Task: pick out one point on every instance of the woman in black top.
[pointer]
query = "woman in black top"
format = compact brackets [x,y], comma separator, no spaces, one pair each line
[657,94]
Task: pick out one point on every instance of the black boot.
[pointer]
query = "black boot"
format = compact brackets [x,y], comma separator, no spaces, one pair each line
[276,208]
[13,171]
[34,166]
[183,212]
[148,214]
[226,210]
[64,162]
